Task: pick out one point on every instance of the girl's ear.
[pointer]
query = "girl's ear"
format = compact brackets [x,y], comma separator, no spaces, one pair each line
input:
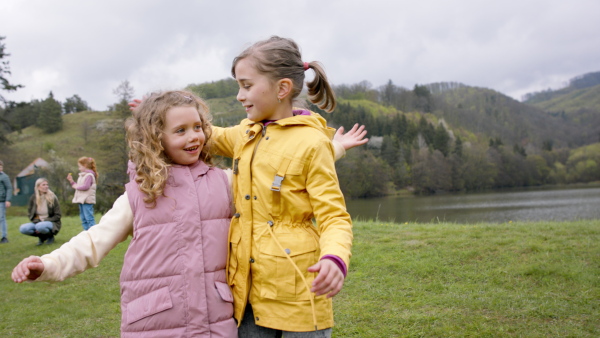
[284,88]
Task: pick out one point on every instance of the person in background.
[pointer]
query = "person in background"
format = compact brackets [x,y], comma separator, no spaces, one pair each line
[85,190]
[5,196]
[44,213]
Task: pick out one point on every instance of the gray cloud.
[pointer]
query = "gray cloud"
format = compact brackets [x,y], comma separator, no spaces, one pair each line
[73,47]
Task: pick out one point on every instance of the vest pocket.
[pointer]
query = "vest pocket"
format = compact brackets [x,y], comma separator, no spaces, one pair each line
[149,304]
[279,278]
[224,291]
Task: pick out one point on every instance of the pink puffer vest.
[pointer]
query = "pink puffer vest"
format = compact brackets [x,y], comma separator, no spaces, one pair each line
[173,280]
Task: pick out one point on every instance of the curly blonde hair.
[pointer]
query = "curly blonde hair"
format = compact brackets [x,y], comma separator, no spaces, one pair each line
[144,134]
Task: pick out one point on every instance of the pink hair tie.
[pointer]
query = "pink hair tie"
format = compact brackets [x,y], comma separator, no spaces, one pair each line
[306,66]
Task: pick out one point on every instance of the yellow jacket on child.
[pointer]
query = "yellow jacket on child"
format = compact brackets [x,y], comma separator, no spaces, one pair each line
[283,177]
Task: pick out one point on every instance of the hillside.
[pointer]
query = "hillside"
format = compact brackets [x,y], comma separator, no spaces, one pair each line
[492,114]
[78,138]
[571,101]
[82,135]
[578,103]
[472,111]
[578,83]
[438,137]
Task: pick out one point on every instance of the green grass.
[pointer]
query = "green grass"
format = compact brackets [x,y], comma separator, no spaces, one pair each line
[406,280]
[87,305]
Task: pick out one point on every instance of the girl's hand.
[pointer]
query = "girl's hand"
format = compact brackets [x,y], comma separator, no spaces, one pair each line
[329,280]
[70,178]
[134,104]
[28,269]
[354,137]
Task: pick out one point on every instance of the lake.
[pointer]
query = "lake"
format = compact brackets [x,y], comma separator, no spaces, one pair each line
[549,204]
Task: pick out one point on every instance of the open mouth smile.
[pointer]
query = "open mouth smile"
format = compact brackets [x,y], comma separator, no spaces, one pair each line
[191,149]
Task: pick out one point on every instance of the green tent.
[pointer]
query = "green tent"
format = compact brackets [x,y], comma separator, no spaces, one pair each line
[24,183]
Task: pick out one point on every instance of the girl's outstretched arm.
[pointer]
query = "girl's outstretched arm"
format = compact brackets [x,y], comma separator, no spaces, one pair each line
[29,268]
[89,247]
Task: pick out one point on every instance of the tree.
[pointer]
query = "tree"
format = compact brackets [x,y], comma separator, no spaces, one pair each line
[112,140]
[424,100]
[361,174]
[431,172]
[7,86]
[124,91]
[441,140]
[458,147]
[23,114]
[388,93]
[5,69]
[50,118]
[75,104]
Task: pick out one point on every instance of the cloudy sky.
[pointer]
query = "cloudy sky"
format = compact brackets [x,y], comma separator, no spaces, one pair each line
[89,47]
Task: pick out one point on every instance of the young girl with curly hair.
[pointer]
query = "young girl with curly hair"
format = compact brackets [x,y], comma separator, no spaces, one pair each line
[177,208]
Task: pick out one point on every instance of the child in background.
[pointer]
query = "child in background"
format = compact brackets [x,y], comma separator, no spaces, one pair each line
[283,178]
[85,190]
[177,208]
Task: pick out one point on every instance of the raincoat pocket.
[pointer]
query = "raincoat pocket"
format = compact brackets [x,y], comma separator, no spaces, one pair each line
[280,279]
[234,240]
[295,167]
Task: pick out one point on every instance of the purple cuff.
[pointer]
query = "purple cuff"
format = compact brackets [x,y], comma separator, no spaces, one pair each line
[338,261]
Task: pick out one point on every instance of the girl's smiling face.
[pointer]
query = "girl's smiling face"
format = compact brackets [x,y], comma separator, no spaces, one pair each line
[182,136]
[258,93]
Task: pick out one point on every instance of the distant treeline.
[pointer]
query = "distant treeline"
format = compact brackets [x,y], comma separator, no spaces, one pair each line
[410,150]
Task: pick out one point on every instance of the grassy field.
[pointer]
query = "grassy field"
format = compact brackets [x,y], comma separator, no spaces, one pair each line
[405,280]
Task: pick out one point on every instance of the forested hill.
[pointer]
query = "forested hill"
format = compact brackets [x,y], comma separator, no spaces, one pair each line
[578,102]
[492,114]
[429,138]
[476,114]
[578,86]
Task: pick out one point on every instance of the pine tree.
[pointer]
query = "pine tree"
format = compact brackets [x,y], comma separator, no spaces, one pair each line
[50,118]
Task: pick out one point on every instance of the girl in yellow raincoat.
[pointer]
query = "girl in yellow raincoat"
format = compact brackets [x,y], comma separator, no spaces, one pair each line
[283,267]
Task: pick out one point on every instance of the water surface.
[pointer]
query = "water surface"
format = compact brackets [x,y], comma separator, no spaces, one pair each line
[564,204]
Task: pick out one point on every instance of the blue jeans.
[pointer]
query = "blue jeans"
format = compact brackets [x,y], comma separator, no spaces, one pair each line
[3,220]
[44,227]
[86,213]
[249,329]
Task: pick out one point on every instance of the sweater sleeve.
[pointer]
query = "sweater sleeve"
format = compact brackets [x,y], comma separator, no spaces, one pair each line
[87,184]
[338,150]
[88,248]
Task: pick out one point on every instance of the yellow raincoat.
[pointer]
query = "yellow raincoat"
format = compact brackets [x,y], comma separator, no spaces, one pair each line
[283,178]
